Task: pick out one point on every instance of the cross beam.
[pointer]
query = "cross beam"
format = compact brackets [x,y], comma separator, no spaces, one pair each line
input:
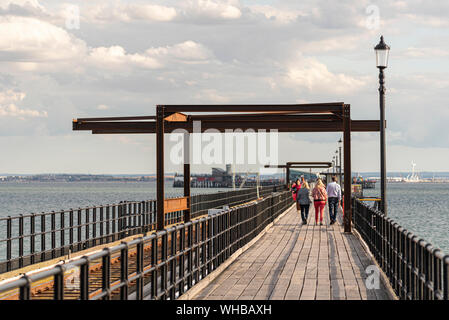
[298,165]
[284,125]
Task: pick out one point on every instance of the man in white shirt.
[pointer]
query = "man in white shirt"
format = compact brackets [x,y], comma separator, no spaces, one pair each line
[333,190]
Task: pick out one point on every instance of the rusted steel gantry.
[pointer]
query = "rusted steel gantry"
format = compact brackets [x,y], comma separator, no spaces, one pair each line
[299,165]
[314,117]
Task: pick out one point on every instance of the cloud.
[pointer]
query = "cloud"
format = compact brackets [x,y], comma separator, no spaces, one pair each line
[185,52]
[336,43]
[24,39]
[425,52]
[107,13]
[314,76]
[8,4]
[211,95]
[188,52]
[281,16]
[8,107]
[116,56]
[211,10]
[33,44]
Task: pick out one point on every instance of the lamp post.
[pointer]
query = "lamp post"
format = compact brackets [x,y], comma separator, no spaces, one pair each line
[382,51]
[337,163]
[339,150]
[333,164]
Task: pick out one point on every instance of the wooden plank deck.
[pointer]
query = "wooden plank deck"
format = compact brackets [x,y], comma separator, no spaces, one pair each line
[298,262]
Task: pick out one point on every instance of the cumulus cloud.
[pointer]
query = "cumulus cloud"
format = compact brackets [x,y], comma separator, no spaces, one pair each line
[211,10]
[116,56]
[309,73]
[34,44]
[7,4]
[113,12]
[188,52]
[8,107]
[281,16]
[25,39]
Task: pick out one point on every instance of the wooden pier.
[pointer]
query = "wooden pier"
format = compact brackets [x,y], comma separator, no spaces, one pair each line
[299,262]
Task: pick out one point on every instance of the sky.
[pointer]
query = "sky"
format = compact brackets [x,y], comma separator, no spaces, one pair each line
[63,60]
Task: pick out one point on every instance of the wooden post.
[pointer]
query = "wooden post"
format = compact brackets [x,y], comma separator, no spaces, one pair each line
[187,174]
[287,176]
[347,167]
[160,167]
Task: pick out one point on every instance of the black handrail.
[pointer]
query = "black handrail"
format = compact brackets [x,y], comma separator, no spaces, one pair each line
[32,238]
[416,270]
[164,264]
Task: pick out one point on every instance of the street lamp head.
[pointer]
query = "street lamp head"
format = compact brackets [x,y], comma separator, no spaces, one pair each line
[382,51]
[339,142]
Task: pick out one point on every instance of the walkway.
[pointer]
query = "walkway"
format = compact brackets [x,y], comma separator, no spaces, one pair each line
[294,261]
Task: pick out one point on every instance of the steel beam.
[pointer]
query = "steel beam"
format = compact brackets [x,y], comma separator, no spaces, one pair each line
[347,168]
[187,175]
[160,179]
[309,108]
[137,127]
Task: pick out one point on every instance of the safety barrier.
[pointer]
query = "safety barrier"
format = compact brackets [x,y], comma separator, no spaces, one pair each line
[162,265]
[415,269]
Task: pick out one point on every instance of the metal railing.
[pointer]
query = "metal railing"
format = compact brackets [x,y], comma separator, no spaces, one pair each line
[162,265]
[33,238]
[416,270]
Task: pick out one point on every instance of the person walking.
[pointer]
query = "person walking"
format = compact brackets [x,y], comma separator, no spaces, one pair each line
[303,198]
[296,186]
[319,195]
[333,190]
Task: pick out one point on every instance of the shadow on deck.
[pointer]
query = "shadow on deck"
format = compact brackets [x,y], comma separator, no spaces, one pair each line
[298,262]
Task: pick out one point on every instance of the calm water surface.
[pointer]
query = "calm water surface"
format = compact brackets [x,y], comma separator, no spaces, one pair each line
[22,198]
[420,207]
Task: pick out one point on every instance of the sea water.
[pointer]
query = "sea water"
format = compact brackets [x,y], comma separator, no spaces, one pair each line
[422,208]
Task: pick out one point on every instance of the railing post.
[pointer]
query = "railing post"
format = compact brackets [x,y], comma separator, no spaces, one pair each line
[87,228]
[8,243]
[106,274]
[71,239]
[43,236]
[154,261]
[21,241]
[101,225]
[32,237]
[164,273]
[25,291]
[53,234]
[94,227]
[58,283]
[124,272]
[62,233]
[84,279]
[79,230]
[446,277]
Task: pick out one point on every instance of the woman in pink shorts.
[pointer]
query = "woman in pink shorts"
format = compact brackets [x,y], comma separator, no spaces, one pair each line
[319,195]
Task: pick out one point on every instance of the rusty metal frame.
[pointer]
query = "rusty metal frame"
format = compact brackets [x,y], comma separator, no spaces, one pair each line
[299,165]
[314,117]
